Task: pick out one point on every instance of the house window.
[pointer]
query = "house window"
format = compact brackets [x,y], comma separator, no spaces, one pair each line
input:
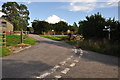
[4,24]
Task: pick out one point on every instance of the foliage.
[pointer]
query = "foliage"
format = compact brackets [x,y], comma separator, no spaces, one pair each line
[73,28]
[71,42]
[40,26]
[93,27]
[30,29]
[30,41]
[12,40]
[4,51]
[17,14]
[59,28]
[103,47]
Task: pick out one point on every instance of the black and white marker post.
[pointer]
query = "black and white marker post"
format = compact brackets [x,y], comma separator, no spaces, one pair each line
[107,28]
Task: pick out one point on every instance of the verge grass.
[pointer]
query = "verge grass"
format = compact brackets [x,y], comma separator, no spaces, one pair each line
[103,47]
[30,41]
[12,41]
[4,51]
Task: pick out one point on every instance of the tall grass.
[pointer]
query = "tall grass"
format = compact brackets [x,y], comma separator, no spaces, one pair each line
[4,51]
[104,47]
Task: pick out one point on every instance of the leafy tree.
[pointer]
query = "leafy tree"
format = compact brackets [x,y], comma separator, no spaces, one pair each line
[115,28]
[61,27]
[17,14]
[40,26]
[43,26]
[93,26]
[74,28]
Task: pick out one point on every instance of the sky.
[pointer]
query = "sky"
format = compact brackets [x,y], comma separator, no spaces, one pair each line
[69,12]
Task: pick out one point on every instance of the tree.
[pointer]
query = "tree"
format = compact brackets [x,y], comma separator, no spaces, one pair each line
[24,13]
[74,28]
[40,26]
[115,28]
[16,14]
[43,26]
[93,26]
[61,27]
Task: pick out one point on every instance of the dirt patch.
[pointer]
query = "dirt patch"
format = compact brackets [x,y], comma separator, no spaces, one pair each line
[18,48]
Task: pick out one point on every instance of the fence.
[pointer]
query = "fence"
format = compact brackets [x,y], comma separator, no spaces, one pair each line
[3,39]
[23,34]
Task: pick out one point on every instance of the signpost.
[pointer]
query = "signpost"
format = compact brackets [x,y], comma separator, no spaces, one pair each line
[107,28]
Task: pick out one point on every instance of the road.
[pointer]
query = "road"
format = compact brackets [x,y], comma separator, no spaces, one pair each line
[53,59]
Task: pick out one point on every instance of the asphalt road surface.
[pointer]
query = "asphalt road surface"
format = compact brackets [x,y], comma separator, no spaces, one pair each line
[53,59]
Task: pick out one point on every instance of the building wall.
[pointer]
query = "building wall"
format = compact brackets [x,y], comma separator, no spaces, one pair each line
[7,28]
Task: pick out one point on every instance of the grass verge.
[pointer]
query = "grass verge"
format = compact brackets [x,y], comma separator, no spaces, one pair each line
[103,47]
[30,41]
[4,51]
[14,40]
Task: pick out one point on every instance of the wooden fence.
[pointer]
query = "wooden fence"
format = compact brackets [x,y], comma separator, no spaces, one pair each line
[13,33]
[3,39]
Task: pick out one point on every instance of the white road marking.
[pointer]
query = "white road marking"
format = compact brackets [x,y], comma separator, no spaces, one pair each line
[68,59]
[79,56]
[71,56]
[55,68]
[43,75]
[76,60]
[72,65]
[58,76]
[63,63]
[65,70]
[75,50]
[81,51]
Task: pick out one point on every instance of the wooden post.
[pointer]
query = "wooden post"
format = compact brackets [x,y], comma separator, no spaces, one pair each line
[4,39]
[21,36]
[10,33]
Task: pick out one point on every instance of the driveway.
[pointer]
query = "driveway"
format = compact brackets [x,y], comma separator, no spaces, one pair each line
[53,59]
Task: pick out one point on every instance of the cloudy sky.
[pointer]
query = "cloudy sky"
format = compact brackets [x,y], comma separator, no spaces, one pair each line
[72,11]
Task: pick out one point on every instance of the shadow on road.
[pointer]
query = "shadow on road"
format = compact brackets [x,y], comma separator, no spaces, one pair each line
[22,69]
